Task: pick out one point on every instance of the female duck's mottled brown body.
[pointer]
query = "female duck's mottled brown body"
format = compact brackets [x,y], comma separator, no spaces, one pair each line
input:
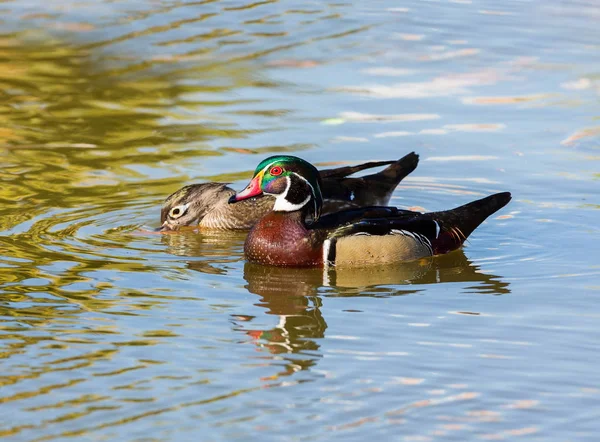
[205,205]
[356,237]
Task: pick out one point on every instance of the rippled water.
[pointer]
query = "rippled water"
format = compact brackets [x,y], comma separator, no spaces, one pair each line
[111,332]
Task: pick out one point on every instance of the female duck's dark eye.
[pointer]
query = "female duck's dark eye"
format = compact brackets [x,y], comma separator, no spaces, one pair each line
[178,211]
[276,171]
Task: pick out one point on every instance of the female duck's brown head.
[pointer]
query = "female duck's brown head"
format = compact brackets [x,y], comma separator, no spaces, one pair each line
[295,184]
[190,204]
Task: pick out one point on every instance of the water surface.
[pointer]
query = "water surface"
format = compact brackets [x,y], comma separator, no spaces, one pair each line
[111,332]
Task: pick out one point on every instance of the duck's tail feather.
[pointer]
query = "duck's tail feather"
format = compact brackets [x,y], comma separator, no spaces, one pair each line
[396,171]
[454,226]
[344,171]
[377,188]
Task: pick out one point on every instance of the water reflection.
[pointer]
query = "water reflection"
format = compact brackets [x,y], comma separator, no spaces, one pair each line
[212,249]
[216,248]
[453,267]
[292,297]
[295,296]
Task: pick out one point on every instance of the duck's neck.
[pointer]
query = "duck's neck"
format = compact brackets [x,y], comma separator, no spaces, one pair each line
[282,239]
[299,196]
[291,219]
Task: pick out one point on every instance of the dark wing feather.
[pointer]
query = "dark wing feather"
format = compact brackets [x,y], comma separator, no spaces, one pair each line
[339,219]
[386,226]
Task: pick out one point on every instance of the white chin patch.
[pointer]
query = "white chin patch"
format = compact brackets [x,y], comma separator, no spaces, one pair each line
[283,205]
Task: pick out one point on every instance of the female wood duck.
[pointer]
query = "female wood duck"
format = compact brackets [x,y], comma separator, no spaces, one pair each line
[205,205]
[355,237]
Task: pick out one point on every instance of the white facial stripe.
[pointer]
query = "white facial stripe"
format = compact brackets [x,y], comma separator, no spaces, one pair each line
[283,205]
[306,181]
[311,188]
[285,192]
[437,229]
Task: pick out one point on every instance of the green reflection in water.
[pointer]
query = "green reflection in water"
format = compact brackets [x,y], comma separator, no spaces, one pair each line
[80,143]
[74,133]
[56,93]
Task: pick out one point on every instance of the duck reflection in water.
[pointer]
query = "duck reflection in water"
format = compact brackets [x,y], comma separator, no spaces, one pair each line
[213,249]
[292,296]
[295,296]
[452,267]
[216,249]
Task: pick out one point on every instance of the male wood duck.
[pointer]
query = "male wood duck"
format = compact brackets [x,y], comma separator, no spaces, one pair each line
[355,237]
[205,205]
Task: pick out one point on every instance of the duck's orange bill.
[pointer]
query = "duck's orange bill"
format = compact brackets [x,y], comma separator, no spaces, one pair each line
[253,189]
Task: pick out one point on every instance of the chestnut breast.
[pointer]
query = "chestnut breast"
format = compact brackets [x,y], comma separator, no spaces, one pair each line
[281,239]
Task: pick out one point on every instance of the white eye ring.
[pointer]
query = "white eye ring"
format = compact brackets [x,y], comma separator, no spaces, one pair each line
[178,211]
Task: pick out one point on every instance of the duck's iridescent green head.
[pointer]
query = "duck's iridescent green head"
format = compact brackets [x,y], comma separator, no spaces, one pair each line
[295,183]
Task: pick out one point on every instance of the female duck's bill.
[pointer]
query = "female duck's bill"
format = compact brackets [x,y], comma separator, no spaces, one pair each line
[357,237]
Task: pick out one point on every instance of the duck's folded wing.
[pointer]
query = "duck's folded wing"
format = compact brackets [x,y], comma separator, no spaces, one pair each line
[343,218]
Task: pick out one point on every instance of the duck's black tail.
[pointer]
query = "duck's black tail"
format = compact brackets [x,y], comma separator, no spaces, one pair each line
[370,190]
[378,187]
[457,224]
[345,171]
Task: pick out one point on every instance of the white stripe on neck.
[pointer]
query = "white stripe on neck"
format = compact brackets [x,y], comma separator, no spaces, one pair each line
[283,205]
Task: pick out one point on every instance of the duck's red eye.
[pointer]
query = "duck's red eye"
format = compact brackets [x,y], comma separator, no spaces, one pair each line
[276,171]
